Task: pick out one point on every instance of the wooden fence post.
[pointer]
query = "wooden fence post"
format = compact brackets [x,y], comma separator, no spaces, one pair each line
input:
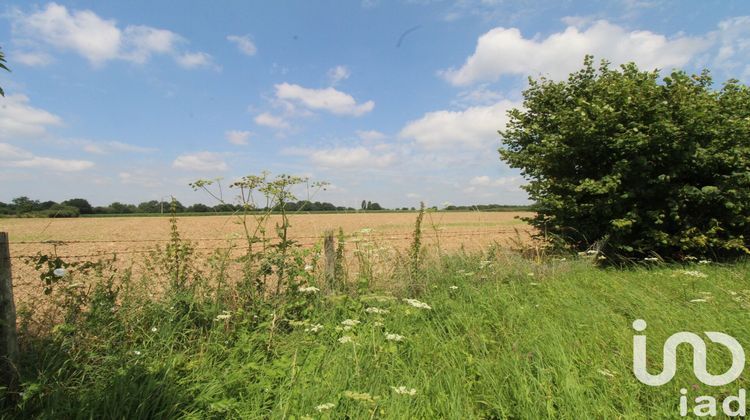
[8,340]
[330,255]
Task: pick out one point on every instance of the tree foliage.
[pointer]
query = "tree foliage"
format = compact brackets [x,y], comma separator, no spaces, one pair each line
[642,163]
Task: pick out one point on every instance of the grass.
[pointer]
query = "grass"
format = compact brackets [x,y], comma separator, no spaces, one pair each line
[504,338]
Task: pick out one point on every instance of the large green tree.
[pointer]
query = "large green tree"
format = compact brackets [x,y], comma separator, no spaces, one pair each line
[646,164]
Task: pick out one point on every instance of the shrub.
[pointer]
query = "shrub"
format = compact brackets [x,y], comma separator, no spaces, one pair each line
[652,165]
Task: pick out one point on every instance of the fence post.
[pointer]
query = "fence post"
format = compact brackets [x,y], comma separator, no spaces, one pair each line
[330,255]
[8,340]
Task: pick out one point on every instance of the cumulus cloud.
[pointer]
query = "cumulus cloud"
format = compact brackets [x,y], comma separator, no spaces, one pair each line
[269,120]
[19,158]
[19,119]
[201,161]
[243,43]
[338,73]
[733,39]
[237,137]
[109,147]
[346,157]
[505,51]
[32,58]
[328,99]
[474,127]
[190,60]
[96,39]
[370,135]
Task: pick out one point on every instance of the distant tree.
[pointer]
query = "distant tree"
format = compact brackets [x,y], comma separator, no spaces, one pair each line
[373,206]
[364,205]
[81,204]
[24,204]
[120,208]
[46,205]
[151,206]
[198,208]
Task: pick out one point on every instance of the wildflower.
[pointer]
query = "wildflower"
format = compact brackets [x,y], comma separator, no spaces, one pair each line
[373,310]
[377,324]
[323,407]
[350,322]
[59,272]
[453,287]
[417,304]
[359,396]
[136,352]
[402,390]
[393,337]
[346,339]
[308,289]
[314,328]
[308,267]
[223,316]
[154,329]
[694,273]
[703,262]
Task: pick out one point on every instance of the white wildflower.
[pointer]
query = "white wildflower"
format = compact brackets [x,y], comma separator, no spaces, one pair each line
[377,324]
[136,352]
[350,322]
[154,329]
[453,287]
[223,316]
[346,339]
[374,310]
[704,262]
[323,407]
[308,289]
[314,328]
[393,337]
[417,304]
[693,273]
[402,390]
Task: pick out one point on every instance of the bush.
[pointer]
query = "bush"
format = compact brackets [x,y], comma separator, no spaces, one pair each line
[650,165]
[59,210]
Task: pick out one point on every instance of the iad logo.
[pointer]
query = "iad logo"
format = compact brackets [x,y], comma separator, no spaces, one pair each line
[699,357]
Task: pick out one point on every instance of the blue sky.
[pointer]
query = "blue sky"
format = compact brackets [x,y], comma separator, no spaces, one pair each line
[389,101]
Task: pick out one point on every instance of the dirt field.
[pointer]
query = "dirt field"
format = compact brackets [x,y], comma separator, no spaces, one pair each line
[130,238]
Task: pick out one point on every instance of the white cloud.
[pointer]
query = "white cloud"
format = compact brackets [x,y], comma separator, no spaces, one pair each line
[237,137]
[19,158]
[338,73]
[328,99]
[269,120]
[192,60]
[96,39]
[486,181]
[201,161]
[346,157]
[244,44]
[475,127]
[504,51]
[109,147]
[733,38]
[370,135]
[140,179]
[19,119]
[32,59]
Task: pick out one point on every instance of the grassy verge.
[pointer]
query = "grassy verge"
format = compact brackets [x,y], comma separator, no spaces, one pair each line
[502,338]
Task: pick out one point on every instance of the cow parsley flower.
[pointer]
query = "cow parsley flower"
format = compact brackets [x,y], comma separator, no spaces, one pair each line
[417,304]
[402,390]
[393,337]
[693,273]
[346,339]
[308,289]
[324,407]
[350,322]
[223,316]
[314,328]
[374,310]
[453,287]
[359,396]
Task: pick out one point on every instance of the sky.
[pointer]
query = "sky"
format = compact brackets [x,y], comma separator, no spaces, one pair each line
[395,102]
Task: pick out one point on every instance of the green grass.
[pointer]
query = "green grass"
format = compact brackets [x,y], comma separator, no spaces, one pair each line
[504,339]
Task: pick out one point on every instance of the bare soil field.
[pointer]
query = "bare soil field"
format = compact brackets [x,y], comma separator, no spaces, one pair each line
[131,238]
